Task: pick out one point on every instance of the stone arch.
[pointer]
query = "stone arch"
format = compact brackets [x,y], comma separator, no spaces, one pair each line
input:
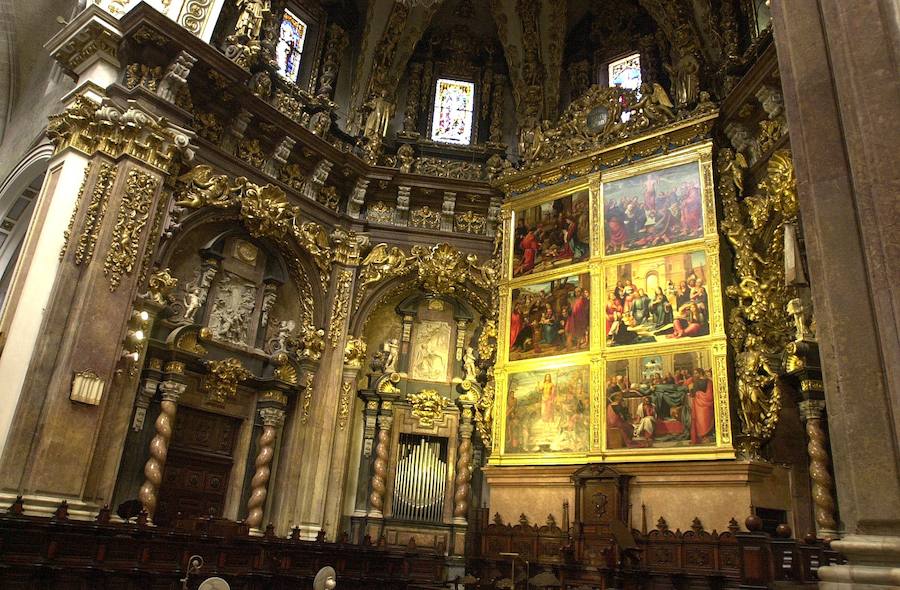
[296,262]
[18,197]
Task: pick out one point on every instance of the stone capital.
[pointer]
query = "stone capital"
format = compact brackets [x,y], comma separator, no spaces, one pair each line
[273,417]
[171,391]
[811,409]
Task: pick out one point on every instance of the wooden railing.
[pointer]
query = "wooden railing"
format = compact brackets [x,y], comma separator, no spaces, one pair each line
[666,559]
[58,552]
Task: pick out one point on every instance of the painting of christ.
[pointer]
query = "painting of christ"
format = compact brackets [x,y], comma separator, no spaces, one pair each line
[657,299]
[550,318]
[653,209]
[660,401]
[551,235]
[548,411]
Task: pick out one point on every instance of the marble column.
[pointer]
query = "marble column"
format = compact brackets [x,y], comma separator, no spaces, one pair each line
[382,457]
[272,417]
[838,65]
[170,391]
[812,412]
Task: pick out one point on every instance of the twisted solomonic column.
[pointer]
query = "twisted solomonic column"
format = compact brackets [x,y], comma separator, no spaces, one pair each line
[272,419]
[463,468]
[379,471]
[819,460]
[159,446]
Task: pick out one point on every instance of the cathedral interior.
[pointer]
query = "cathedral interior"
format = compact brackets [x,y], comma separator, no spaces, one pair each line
[421,294]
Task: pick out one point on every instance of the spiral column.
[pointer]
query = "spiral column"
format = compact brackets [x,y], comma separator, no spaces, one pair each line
[463,467]
[379,470]
[170,391]
[812,412]
[272,419]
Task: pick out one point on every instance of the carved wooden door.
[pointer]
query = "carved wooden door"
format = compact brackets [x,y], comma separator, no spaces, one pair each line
[195,480]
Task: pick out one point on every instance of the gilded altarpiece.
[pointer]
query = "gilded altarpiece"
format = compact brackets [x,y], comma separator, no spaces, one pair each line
[612,333]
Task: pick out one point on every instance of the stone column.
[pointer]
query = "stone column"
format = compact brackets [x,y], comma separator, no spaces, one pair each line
[380,467]
[170,391]
[812,412]
[841,90]
[271,414]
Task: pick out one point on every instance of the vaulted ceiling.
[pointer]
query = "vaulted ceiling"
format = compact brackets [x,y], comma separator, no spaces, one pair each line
[532,34]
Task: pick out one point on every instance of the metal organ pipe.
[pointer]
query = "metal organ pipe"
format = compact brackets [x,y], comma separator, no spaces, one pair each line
[420,482]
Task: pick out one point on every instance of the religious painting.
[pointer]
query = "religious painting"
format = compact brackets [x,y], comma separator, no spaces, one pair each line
[653,209]
[430,352]
[660,401]
[551,235]
[550,318]
[454,103]
[548,411]
[659,299]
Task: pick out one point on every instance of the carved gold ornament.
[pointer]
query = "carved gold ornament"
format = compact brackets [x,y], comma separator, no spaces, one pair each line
[355,353]
[264,210]
[108,129]
[759,327]
[161,284]
[345,403]
[428,406]
[222,381]
[339,306]
[134,211]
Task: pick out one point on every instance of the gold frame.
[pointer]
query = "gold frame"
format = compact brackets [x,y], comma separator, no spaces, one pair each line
[714,344]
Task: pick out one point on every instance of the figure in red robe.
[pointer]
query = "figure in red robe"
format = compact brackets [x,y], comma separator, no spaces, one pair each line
[530,247]
[578,320]
[515,326]
[702,410]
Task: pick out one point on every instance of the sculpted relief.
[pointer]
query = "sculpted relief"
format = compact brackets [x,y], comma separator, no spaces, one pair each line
[232,310]
[430,351]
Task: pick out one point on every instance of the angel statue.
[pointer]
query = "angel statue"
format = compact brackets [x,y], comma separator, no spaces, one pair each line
[654,103]
[192,303]
[383,261]
[470,372]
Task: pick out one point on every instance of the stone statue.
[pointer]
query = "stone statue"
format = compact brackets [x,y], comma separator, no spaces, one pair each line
[192,303]
[380,112]
[391,354]
[797,311]
[470,372]
[250,19]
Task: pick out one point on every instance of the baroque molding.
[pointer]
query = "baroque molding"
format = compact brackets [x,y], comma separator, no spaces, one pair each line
[91,128]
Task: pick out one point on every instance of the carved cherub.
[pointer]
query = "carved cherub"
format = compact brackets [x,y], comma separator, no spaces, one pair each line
[391,354]
[192,303]
[654,103]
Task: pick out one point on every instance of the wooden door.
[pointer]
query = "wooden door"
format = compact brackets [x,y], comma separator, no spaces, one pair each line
[195,480]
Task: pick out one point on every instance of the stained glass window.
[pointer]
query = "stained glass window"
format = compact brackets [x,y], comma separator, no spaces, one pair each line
[453,107]
[626,72]
[290,45]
